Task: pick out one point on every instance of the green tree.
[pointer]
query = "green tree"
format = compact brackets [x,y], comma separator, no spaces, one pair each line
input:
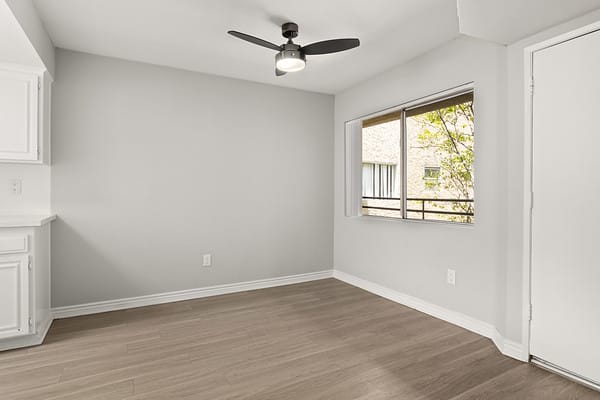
[449,132]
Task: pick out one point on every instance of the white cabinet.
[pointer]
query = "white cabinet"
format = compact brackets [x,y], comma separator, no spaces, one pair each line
[14,296]
[24,280]
[19,116]
[25,108]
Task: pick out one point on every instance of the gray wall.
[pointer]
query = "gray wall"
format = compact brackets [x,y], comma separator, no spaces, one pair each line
[412,257]
[152,167]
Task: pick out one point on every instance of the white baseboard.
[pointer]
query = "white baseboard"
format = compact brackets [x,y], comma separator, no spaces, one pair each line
[29,340]
[506,347]
[509,347]
[180,295]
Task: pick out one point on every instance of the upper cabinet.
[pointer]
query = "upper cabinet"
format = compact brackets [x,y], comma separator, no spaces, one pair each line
[22,124]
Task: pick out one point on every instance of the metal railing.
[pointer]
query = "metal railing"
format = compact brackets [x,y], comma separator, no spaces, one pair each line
[422,210]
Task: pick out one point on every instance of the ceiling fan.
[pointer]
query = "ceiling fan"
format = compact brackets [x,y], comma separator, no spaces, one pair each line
[291,57]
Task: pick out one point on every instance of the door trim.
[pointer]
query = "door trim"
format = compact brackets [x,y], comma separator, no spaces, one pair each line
[529,53]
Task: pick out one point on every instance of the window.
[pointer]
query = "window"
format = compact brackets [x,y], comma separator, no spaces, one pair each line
[379,180]
[418,161]
[431,174]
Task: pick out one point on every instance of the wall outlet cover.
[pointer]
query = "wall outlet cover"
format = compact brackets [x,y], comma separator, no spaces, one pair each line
[16,186]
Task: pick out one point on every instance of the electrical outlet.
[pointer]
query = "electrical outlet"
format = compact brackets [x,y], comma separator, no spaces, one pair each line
[16,186]
[451,277]
[206,260]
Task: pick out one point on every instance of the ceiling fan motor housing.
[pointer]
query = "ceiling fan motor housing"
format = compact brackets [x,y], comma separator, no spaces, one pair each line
[289,30]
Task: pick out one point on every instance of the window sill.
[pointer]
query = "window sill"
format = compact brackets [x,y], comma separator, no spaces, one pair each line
[461,225]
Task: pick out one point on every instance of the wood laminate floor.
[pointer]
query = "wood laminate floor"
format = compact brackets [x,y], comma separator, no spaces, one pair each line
[317,340]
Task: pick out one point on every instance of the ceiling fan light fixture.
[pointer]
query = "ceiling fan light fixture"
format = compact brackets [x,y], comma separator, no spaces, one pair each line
[291,57]
[290,61]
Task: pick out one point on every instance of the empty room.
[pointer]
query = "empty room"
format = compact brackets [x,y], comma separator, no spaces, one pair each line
[299,200]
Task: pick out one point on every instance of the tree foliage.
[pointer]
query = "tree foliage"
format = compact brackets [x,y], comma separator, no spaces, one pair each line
[450,133]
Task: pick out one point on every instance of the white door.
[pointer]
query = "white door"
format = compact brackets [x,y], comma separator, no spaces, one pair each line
[14,296]
[565,270]
[18,116]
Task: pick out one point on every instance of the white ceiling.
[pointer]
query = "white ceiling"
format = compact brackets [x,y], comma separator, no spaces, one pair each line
[507,21]
[191,34]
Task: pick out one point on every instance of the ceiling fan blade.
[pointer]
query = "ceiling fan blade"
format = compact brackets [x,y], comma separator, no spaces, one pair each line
[279,72]
[255,40]
[330,46]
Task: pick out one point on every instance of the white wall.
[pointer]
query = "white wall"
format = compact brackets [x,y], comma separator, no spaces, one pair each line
[153,167]
[15,47]
[397,254]
[27,16]
[35,189]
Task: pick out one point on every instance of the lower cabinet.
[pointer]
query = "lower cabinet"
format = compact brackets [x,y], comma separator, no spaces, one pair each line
[15,317]
[25,315]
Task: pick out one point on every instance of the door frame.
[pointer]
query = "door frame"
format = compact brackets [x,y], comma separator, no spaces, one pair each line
[528,89]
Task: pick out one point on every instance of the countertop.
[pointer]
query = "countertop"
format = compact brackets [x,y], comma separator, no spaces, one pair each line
[17,221]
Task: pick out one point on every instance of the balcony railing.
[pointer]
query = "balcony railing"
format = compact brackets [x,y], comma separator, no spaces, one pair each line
[422,209]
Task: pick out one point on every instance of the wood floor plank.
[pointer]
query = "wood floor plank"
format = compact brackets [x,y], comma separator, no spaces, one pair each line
[322,340]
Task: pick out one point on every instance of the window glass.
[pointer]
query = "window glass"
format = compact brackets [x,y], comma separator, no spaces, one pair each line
[440,135]
[381,158]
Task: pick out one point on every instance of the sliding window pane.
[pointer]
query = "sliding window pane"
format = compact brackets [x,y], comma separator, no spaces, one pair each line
[439,161]
[381,160]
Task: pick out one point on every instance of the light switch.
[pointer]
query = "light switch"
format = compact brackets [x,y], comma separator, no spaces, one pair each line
[206,260]
[451,277]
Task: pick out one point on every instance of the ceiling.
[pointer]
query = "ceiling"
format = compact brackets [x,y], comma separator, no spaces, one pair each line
[508,21]
[191,34]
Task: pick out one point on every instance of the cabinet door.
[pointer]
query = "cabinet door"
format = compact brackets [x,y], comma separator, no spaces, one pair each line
[18,116]
[14,296]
